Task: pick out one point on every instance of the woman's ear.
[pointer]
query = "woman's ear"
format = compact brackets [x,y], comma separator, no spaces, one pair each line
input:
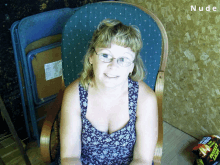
[90,59]
[132,68]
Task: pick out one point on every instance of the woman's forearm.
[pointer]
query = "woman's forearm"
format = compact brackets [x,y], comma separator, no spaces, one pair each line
[71,161]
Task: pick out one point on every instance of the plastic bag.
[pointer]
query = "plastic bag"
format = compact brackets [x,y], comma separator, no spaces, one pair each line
[207,151]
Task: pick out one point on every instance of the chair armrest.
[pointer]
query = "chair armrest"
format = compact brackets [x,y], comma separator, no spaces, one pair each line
[159,87]
[45,137]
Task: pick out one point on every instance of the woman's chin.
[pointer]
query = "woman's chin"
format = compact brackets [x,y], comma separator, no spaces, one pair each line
[110,81]
[113,82]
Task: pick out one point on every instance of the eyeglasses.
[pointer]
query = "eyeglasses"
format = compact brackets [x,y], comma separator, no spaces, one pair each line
[107,58]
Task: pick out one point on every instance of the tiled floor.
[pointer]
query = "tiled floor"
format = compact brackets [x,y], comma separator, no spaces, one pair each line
[177,146]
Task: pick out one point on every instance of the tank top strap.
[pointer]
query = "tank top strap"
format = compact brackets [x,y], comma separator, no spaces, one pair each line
[83,95]
[133,87]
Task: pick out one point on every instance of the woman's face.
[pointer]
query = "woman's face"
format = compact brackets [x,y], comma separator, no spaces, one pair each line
[112,74]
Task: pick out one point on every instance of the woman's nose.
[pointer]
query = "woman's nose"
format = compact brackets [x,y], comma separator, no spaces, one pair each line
[114,63]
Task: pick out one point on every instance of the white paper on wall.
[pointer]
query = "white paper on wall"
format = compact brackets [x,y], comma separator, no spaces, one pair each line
[53,70]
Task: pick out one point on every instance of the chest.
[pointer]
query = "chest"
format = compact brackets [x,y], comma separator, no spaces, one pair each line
[108,115]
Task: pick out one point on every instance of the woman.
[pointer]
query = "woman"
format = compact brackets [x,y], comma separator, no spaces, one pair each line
[109,115]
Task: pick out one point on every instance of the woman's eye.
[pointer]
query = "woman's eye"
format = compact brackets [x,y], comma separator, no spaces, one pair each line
[122,59]
[105,55]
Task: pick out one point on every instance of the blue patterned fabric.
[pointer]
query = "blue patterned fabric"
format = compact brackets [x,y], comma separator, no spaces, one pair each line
[103,148]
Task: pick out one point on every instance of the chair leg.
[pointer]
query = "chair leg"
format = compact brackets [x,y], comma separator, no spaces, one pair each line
[13,132]
[1,162]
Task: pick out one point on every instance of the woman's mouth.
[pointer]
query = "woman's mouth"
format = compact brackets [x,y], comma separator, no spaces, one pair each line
[110,76]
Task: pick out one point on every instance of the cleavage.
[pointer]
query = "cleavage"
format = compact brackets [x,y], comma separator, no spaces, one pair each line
[107,118]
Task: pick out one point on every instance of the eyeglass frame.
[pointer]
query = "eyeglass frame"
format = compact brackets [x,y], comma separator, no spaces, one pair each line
[115,58]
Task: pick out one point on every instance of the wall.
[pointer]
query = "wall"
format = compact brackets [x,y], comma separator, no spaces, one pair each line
[192,84]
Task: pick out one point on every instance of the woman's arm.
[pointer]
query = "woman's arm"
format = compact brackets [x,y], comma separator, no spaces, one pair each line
[70,126]
[146,126]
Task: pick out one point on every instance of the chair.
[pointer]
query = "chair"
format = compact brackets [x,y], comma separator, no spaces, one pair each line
[34,37]
[18,141]
[75,37]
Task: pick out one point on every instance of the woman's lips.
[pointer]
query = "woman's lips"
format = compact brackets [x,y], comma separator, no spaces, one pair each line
[110,76]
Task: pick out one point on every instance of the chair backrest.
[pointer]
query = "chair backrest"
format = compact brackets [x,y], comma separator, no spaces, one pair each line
[24,33]
[34,35]
[79,29]
[42,25]
[78,32]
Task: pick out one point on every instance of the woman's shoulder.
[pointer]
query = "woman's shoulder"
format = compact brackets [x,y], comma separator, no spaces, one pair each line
[145,93]
[71,97]
[73,88]
[146,99]
[145,90]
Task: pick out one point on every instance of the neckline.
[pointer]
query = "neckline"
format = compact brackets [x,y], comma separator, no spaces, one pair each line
[106,133]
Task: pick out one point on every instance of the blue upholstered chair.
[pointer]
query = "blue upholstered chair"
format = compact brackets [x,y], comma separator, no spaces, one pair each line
[76,35]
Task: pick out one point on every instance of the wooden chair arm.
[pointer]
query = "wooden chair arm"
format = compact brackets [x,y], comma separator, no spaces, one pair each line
[45,138]
[159,93]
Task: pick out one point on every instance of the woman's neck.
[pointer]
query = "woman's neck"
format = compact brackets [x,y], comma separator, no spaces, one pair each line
[112,92]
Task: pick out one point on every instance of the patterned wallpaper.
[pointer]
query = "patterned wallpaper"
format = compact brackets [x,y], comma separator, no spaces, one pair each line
[192,86]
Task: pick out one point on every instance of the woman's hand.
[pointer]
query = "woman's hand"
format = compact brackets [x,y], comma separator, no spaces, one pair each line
[140,162]
[71,161]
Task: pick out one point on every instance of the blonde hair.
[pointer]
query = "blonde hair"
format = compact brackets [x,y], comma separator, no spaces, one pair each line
[113,31]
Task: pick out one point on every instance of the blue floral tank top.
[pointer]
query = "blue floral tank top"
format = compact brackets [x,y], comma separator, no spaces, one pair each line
[108,149]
